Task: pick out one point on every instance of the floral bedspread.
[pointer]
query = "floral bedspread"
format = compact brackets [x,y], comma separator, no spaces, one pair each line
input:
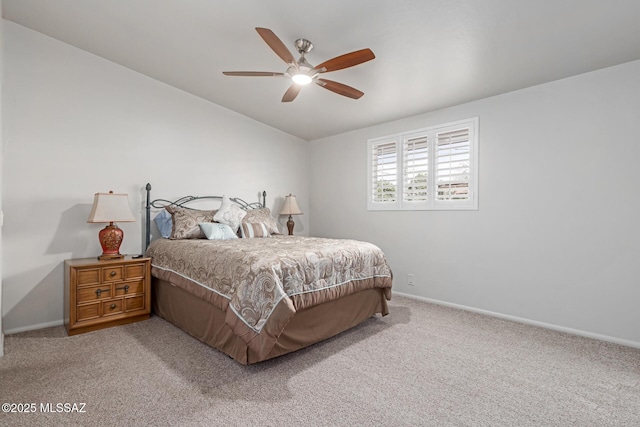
[261,283]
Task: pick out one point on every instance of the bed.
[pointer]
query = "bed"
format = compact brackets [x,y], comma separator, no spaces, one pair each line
[263,294]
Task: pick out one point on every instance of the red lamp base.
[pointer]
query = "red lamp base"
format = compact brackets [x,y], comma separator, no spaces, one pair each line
[110,239]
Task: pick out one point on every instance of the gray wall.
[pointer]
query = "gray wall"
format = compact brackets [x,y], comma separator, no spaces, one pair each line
[556,239]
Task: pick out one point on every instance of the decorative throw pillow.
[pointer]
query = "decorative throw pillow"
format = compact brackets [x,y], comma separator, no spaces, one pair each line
[262,215]
[185,222]
[229,213]
[164,222]
[217,231]
[254,229]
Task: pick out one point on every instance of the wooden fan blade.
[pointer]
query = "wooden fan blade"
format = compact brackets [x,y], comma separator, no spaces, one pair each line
[340,88]
[345,61]
[291,93]
[276,45]
[252,73]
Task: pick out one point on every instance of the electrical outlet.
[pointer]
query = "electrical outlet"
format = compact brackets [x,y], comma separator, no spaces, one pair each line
[411,279]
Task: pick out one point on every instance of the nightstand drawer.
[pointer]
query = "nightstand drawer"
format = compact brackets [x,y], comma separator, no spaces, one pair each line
[112,274]
[128,288]
[134,303]
[92,293]
[88,312]
[112,307]
[135,271]
[88,276]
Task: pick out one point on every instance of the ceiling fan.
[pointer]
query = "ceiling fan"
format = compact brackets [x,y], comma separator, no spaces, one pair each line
[302,73]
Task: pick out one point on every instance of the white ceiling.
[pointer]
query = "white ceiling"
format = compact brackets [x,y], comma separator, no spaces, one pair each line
[430,54]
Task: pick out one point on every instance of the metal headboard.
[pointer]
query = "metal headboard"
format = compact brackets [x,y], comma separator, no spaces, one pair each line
[181,202]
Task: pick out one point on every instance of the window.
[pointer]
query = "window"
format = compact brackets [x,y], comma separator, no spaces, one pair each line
[427,169]
[384,172]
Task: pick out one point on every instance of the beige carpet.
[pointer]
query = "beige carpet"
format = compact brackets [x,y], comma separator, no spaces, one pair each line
[421,365]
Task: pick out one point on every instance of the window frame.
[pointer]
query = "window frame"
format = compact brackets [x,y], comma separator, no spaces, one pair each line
[432,202]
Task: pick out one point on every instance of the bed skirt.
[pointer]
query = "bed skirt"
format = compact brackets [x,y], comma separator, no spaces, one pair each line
[206,322]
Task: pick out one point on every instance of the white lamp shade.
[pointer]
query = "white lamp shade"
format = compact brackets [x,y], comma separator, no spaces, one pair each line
[290,206]
[111,207]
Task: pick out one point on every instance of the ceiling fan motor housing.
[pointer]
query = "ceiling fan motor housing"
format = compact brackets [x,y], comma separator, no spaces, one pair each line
[303,46]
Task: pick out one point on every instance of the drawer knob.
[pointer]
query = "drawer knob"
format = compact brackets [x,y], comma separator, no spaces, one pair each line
[113,273]
[112,306]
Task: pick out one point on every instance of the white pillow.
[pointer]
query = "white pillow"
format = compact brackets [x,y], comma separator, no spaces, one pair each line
[217,231]
[229,213]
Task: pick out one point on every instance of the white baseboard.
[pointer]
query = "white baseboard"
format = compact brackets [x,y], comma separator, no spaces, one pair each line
[578,332]
[34,327]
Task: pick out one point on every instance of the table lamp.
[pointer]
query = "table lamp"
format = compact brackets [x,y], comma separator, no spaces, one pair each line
[290,207]
[110,207]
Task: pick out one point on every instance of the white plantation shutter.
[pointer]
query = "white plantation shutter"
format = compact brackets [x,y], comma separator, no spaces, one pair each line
[415,169]
[384,164]
[453,165]
[434,168]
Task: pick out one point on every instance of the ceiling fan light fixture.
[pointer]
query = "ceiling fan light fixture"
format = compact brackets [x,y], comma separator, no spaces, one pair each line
[301,79]
[302,73]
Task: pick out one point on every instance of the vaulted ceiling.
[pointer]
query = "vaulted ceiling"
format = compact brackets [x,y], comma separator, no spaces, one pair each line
[430,54]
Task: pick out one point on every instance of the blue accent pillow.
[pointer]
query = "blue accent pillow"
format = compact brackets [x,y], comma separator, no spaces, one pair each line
[165,223]
[217,231]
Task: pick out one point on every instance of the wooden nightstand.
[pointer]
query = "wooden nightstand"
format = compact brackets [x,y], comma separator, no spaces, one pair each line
[101,294]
